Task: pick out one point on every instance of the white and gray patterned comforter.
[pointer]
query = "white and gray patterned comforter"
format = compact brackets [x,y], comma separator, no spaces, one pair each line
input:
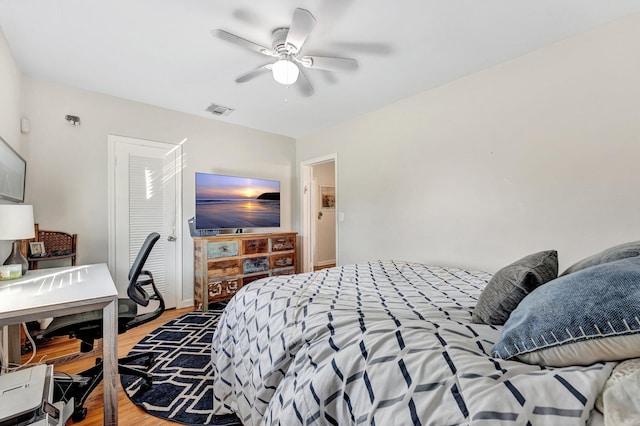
[382,343]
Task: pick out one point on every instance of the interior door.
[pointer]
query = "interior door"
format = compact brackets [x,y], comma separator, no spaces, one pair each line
[145,199]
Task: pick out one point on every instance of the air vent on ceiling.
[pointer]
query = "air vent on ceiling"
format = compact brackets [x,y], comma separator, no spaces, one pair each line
[219,110]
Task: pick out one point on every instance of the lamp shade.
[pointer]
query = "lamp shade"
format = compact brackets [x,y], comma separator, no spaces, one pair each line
[16,221]
[285,72]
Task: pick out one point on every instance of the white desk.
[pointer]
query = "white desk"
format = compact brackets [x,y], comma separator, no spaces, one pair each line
[62,291]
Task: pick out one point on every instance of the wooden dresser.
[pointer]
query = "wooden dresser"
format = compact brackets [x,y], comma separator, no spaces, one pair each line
[225,263]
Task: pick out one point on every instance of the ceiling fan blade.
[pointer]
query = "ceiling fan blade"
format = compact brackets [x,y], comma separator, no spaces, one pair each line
[254,73]
[303,85]
[224,35]
[329,63]
[301,26]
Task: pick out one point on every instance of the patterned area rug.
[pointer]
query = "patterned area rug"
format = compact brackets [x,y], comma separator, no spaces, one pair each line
[182,382]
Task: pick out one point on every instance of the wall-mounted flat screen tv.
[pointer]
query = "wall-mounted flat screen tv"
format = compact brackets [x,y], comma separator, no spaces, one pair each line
[13,169]
[224,202]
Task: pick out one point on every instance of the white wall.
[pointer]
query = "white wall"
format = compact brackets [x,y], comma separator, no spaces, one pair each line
[67,165]
[10,95]
[9,110]
[537,153]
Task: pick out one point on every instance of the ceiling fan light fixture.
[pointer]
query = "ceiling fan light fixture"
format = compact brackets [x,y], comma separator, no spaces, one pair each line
[285,72]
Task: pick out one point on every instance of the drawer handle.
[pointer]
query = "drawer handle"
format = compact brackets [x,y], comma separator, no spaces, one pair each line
[215,288]
[232,286]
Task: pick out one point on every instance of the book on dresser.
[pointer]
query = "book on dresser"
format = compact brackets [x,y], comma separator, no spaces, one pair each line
[223,264]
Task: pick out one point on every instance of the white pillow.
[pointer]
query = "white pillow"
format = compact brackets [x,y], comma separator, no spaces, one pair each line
[620,372]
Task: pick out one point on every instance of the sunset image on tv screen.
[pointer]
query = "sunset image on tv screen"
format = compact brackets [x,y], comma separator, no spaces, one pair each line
[236,202]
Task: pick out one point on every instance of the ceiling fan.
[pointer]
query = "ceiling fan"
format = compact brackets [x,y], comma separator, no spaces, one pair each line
[285,48]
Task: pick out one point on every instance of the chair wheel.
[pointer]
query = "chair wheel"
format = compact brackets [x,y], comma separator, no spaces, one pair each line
[145,386]
[150,361]
[79,415]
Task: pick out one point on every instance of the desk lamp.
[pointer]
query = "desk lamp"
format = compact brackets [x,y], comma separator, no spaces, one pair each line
[16,223]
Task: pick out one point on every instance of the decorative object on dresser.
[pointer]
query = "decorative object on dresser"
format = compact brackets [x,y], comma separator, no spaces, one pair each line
[16,223]
[53,245]
[225,263]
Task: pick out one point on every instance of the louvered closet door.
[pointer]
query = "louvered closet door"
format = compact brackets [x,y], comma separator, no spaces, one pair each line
[146,201]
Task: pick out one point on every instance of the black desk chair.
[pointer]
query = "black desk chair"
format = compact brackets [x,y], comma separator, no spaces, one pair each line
[87,326]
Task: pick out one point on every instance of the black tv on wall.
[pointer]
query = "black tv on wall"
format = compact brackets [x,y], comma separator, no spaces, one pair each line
[228,202]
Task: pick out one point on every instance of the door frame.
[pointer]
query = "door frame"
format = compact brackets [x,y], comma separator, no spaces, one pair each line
[111,206]
[306,209]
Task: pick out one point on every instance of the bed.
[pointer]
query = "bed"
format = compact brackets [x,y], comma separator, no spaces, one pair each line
[384,343]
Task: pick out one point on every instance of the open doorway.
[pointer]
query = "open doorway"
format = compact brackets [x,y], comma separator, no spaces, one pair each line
[319,213]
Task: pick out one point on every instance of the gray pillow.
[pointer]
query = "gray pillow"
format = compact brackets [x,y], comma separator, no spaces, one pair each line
[612,254]
[511,284]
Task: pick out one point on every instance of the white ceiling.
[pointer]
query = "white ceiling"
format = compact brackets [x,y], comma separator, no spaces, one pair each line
[161,52]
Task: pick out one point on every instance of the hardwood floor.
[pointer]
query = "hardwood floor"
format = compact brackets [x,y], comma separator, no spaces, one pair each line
[128,413]
[318,268]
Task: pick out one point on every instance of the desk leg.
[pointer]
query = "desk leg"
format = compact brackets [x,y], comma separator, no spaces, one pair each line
[14,344]
[110,355]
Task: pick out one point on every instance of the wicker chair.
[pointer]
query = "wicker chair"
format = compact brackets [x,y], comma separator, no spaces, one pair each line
[57,245]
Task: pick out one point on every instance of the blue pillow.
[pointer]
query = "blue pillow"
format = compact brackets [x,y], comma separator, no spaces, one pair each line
[578,319]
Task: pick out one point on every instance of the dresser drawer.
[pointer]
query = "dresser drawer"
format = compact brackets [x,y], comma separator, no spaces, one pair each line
[222,289]
[282,260]
[255,246]
[217,249]
[247,280]
[225,268]
[282,243]
[255,264]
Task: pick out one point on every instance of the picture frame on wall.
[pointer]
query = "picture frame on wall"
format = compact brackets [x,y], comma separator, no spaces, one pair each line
[328,197]
[13,170]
